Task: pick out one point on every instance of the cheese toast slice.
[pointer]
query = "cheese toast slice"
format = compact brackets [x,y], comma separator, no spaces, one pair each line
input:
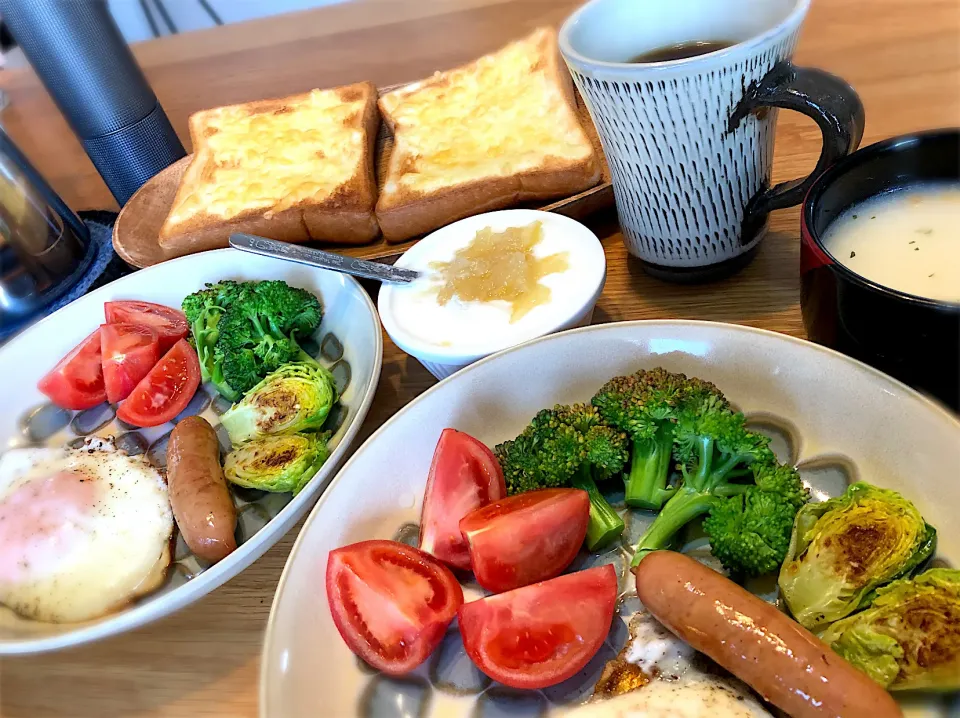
[293,169]
[498,131]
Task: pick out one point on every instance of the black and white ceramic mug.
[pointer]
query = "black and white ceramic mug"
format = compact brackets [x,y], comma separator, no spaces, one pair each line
[690,141]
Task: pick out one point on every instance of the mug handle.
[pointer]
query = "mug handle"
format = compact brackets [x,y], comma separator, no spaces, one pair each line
[833,105]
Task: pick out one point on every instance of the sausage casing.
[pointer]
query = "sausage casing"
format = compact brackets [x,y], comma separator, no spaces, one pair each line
[199,496]
[780,659]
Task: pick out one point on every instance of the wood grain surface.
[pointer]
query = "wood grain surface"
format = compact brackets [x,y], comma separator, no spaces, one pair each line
[902,57]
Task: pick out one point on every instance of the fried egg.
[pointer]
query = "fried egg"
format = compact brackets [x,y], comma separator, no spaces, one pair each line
[82,531]
[657,675]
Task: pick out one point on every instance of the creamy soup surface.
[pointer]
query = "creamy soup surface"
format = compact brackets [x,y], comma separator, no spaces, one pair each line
[908,240]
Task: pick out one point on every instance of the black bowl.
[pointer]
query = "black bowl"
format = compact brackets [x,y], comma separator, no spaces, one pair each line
[914,339]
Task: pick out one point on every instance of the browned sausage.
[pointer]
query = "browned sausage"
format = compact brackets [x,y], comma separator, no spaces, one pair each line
[198,492]
[779,658]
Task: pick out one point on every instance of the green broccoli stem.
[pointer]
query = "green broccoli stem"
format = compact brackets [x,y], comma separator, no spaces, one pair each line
[304,357]
[686,505]
[646,484]
[258,327]
[698,479]
[713,469]
[701,489]
[604,525]
[205,335]
[227,391]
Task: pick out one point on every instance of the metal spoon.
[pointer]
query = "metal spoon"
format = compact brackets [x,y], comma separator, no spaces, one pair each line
[324,260]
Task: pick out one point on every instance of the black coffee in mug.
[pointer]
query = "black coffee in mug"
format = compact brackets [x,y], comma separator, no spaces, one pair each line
[681,51]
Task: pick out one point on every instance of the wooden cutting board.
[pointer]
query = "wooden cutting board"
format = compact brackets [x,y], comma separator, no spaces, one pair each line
[137,229]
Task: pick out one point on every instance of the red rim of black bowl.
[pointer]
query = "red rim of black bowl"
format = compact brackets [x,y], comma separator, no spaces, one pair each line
[823,182]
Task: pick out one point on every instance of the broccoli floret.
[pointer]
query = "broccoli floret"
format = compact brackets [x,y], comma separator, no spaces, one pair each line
[750,532]
[245,330]
[730,475]
[783,480]
[204,310]
[569,446]
[289,310]
[248,347]
[235,370]
[646,405]
[211,296]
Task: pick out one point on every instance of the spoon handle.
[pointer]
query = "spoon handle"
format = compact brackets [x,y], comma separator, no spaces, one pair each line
[324,260]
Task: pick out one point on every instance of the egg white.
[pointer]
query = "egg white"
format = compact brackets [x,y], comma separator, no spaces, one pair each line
[93,556]
[683,683]
[687,697]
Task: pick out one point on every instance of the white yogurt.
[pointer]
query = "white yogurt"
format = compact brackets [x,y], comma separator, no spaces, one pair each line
[447,337]
[907,240]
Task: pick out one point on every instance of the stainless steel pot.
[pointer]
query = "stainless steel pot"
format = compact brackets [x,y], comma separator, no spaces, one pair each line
[44,246]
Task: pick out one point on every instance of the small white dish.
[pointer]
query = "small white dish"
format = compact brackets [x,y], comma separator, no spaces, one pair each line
[448,338]
[837,419]
[349,315]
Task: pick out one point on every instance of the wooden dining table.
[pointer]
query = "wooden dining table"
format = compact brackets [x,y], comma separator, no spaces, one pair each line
[902,57]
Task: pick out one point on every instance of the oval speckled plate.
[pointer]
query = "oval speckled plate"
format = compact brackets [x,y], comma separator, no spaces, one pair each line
[837,419]
[349,341]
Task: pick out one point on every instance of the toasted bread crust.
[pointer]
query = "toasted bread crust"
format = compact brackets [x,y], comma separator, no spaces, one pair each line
[406,216]
[345,215]
[404,212]
[349,217]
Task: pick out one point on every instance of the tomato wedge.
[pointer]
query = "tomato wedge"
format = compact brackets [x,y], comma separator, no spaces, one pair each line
[541,635]
[76,382]
[128,352]
[391,603]
[526,538]
[464,476]
[171,324]
[166,390]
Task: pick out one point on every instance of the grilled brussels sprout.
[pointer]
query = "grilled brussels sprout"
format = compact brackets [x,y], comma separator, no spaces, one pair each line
[296,397]
[909,637]
[277,463]
[844,548]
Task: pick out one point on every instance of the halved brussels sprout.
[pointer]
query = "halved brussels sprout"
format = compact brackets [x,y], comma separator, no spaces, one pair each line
[277,463]
[296,397]
[909,637]
[844,548]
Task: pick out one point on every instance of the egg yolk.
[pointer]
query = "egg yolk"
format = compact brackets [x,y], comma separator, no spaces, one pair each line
[41,520]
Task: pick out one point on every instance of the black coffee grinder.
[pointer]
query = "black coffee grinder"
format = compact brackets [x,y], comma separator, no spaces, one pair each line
[76,49]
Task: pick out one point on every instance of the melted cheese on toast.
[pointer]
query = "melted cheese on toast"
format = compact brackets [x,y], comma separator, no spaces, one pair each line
[504,114]
[272,155]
